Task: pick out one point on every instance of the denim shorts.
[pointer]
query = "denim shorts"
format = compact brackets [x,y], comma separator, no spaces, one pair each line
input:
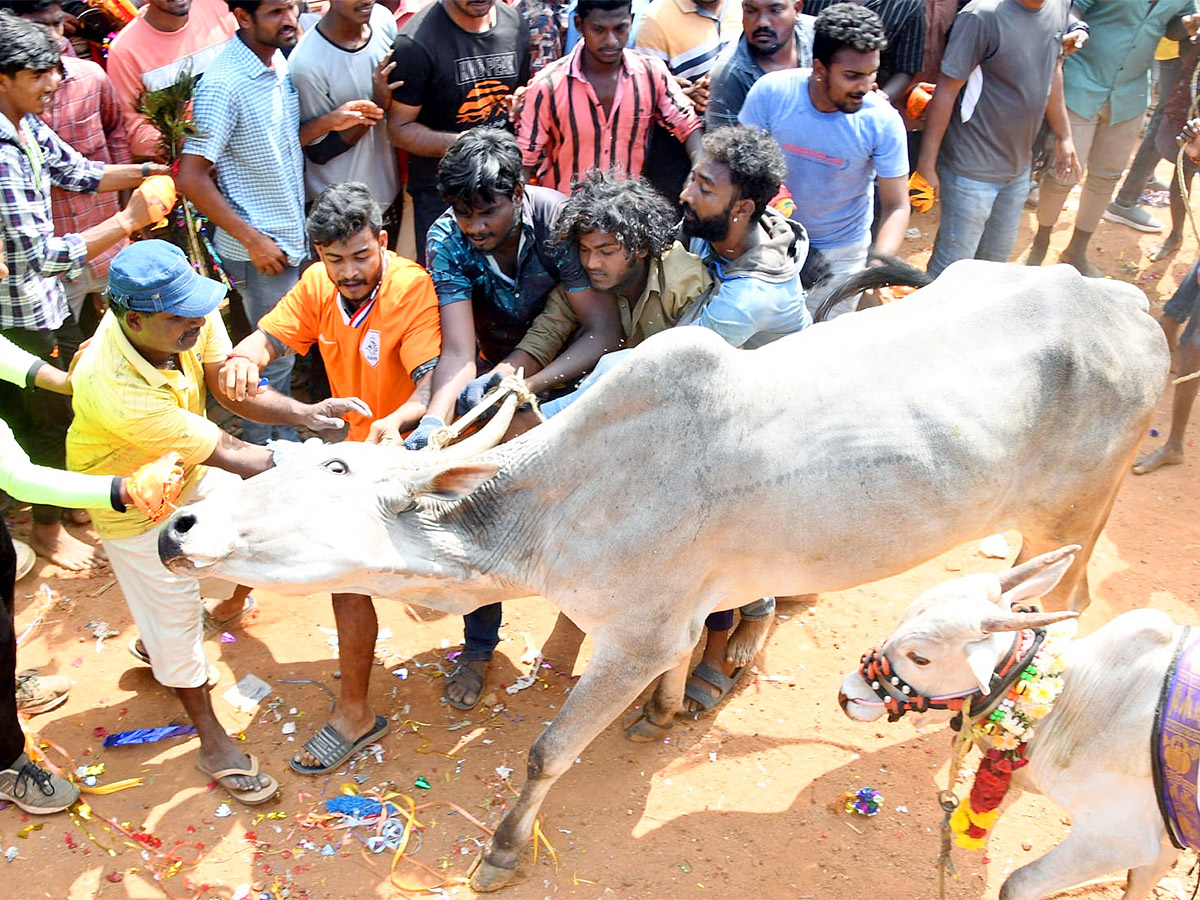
[1184,306]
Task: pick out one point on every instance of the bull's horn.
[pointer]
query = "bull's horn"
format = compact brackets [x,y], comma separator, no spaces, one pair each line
[486,437]
[1017,574]
[1018,621]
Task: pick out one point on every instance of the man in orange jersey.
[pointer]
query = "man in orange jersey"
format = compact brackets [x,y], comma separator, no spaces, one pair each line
[374,316]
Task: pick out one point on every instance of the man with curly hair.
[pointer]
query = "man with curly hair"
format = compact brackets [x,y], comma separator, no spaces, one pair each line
[839,134]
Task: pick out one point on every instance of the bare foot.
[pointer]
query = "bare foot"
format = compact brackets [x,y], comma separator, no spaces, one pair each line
[465,683]
[747,640]
[1082,264]
[1037,253]
[1166,455]
[350,728]
[57,545]
[1167,248]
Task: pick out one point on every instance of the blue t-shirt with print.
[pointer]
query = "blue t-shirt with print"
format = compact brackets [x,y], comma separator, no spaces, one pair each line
[832,158]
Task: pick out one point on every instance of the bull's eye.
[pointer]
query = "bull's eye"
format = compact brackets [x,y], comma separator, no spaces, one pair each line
[916,658]
[337,467]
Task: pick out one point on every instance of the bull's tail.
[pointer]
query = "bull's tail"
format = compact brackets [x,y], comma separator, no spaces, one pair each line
[887,271]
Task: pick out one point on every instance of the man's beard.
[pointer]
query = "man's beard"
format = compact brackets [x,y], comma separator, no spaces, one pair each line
[760,52]
[714,228]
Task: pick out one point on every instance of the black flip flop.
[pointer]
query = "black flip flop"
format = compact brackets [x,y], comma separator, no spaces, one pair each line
[330,749]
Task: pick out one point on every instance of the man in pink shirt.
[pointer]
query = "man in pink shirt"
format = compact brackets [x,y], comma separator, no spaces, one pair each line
[168,38]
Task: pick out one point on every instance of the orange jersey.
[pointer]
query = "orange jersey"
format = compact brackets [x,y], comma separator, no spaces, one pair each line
[372,352]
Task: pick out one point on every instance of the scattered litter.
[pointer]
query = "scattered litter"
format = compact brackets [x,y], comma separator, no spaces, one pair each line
[328,850]
[521,683]
[422,782]
[712,755]
[1155,198]
[223,811]
[504,771]
[355,805]
[100,631]
[1153,432]
[401,673]
[913,234]
[148,735]
[11,853]
[901,809]
[227,638]
[32,826]
[864,802]
[288,728]
[994,547]
[249,691]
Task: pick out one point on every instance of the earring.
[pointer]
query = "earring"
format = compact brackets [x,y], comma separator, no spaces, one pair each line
[735,218]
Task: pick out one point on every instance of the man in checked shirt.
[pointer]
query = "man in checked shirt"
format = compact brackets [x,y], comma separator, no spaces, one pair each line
[34,313]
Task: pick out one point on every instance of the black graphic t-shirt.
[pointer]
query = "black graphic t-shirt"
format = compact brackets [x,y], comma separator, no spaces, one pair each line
[459,79]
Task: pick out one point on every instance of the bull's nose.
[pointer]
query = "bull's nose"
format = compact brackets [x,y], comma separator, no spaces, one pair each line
[169,543]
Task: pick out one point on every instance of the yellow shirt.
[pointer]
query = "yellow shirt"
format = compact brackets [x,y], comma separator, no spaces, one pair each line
[127,413]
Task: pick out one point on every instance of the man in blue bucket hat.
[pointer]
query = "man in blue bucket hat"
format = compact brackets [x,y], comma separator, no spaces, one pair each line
[140,391]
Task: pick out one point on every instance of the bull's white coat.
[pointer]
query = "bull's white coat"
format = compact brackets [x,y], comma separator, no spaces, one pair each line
[698,477]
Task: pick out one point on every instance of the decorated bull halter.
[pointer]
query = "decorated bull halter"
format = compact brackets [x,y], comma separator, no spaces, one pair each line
[898,697]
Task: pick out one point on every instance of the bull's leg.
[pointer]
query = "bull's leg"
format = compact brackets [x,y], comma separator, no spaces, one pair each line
[1141,881]
[613,679]
[658,714]
[1087,853]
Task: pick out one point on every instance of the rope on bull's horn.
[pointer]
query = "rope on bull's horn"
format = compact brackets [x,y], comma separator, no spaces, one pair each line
[510,385]
[948,801]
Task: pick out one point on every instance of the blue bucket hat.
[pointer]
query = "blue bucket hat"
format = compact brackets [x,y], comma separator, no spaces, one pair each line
[155,277]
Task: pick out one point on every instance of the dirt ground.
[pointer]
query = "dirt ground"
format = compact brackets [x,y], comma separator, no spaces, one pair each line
[743,804]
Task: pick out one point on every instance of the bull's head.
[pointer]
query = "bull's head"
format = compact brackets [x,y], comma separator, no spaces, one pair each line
[952,637]
[333,517]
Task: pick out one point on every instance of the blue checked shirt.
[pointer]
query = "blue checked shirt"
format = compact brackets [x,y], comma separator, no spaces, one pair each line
[32,297]
[248,119]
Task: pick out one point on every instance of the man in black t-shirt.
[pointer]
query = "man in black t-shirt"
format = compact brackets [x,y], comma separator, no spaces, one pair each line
[459,60]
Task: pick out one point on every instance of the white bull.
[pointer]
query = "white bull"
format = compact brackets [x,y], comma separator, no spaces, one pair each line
[696,477]
[1091,754]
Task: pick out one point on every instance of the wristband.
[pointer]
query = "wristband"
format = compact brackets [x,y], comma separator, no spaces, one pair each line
[1078,25]
[145,170]
[114,495]
[31,375]
[230,356]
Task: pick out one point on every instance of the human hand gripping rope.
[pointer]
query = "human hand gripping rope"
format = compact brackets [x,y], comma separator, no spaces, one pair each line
[155,487]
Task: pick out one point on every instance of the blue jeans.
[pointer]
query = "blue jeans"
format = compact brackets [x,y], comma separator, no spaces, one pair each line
[260,293]
[979,219]
[1184,306]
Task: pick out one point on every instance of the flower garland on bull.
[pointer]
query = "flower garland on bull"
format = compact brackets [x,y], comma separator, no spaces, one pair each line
[1006,732]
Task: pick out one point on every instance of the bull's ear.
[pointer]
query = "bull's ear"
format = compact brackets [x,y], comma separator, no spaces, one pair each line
[982,657]
[1038,584]
[455,482]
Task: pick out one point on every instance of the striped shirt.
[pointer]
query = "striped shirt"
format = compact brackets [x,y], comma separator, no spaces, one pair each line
[85,114]
[31,297]
[563,119]
[687,38]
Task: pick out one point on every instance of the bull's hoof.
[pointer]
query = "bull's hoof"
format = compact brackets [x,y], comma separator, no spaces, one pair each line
[641,730]
[486,877]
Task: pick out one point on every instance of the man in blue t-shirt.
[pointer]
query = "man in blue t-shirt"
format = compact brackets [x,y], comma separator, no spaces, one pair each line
[838,135]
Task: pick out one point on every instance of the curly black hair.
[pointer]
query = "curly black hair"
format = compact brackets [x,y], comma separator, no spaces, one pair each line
[847,25]
[24,44]
[630,210]
[482,164]
[755,162]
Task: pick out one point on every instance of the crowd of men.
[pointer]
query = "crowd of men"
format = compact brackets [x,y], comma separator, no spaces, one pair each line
[563,179]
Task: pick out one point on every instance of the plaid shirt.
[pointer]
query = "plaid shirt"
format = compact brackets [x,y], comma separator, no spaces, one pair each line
[31,297]
[247,117]
[87,115]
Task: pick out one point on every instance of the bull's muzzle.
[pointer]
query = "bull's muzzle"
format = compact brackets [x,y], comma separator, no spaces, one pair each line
[170,542]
